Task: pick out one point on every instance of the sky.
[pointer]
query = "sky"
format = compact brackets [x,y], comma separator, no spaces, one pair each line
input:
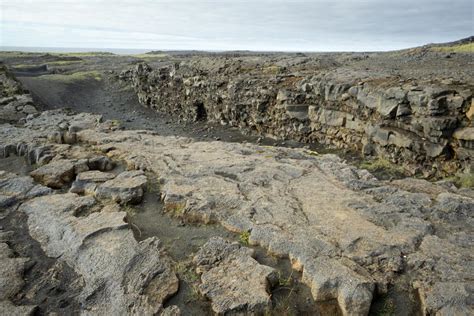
[263,25]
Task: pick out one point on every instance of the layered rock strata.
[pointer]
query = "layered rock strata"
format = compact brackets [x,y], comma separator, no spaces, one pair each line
[424,123]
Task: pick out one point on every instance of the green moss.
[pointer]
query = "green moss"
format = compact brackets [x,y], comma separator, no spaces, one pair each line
[84,54]
[76,76]
[312,153]
[466,180]
[387,309]
[63,62]
[461,48]
[285,281]
[383,167]
[145,56]
[462,180]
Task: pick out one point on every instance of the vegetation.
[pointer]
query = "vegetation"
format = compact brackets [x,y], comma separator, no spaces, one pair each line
[76,76]
[144,56]
[383,167]
[84,54]
[244,238]
[460,48]
[285,281]
[272,70]
[387,309]
[175,208]
[186,272]
[463,180]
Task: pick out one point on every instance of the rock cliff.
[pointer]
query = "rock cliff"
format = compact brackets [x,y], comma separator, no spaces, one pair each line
[425,122]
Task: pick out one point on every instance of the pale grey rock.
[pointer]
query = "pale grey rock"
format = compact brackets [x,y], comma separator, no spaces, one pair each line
[120,275]
[127,187]
[329,279]
[8,308]
[233,281]
[56,174]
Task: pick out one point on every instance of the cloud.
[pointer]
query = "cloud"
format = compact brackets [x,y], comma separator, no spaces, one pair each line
[234,24]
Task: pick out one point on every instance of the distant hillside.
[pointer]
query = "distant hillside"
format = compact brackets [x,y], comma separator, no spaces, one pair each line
[465,45]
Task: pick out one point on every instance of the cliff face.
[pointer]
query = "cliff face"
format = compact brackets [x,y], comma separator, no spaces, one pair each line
[426,124]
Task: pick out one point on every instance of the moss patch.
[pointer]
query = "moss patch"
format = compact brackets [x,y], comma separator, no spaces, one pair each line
[383,168]
[463,180]
[76,76]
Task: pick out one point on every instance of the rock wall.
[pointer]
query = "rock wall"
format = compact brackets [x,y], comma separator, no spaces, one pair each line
[15,102]
[425,124]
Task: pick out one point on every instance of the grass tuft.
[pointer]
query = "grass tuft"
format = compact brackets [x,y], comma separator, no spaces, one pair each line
[244,238]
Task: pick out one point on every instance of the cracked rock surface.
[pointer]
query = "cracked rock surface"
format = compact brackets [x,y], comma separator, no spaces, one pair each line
[232,279]
[117,270]
[351,235]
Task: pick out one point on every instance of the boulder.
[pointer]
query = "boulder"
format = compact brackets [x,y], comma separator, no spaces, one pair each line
[86,182]
[121,276]
[127,187]
[56,174]
[329,279]
[233,281]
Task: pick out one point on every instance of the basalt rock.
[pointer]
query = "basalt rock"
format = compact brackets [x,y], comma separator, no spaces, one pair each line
[232,279]
[121,275]
[410,121]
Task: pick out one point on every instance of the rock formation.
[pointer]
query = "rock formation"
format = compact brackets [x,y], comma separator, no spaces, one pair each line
[352,237]
[422,122]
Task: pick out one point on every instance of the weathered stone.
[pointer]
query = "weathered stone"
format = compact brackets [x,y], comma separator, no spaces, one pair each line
[232,279]
[388,107]
[55,174]
[11,276]
[330,279]
[121,275]
[95,176]
[14,189]
[331,118]
[11,280]
[447,298]
[127,187]
[8,308]
[101,163]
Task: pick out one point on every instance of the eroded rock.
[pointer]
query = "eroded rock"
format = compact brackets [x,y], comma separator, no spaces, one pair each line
[232,279]
[121,275]
[56,174]
[127,187]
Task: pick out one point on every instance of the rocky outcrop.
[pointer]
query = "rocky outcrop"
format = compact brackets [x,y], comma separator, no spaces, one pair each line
[426,124]
[232,279]
[15,102]
[11,279]
[365,234]
[121,275]
[127,187]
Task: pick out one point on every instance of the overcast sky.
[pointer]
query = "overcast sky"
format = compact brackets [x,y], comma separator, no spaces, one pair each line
[288,25]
